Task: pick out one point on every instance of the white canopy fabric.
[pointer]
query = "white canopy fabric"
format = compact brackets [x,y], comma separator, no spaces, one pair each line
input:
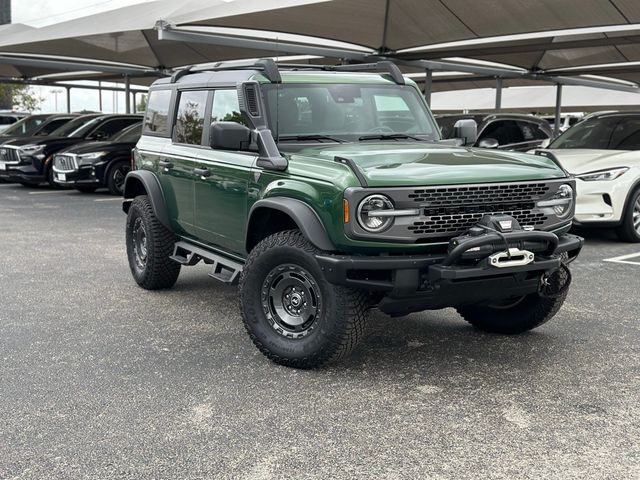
[122,35]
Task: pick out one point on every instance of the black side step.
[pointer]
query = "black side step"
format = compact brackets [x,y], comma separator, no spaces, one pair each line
[224,269]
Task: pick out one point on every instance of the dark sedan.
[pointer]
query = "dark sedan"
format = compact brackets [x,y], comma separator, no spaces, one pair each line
[31,158]
[92,165]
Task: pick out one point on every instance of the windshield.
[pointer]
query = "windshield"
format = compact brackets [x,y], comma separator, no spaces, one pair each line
[348,111]
[614,132]
[129,135]
[75,127]
[24,127]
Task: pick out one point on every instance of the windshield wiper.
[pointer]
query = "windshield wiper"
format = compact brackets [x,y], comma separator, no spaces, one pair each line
[390,136]
[310,137]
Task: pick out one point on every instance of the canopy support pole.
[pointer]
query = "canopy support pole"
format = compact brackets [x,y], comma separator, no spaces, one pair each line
[135,104]
[68,99]
[99,95]
[556,122]
[428,86]
[498,94]
[127,94]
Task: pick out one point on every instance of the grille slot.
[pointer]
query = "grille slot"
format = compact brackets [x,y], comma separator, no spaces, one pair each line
[457,223]
[9,155]
[479,194]
[64,163]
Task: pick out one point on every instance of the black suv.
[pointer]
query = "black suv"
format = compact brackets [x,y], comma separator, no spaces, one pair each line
[31,157]
[39,125]
[504,131]
[91,165]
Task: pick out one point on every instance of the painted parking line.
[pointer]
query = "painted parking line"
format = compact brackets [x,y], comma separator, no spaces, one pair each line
[625,259]
[49,192]
[114,199]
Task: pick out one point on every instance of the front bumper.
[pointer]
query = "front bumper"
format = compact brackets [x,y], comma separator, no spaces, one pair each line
[80,177]
[22,174]
[602,202]
[420,282]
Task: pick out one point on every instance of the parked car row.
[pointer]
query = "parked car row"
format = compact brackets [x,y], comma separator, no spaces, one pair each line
[85,152]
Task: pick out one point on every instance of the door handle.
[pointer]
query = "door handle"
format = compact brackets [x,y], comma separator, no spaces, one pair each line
[202,172]
[165,164]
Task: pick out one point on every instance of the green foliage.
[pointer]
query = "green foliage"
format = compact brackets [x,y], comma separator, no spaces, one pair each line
[19,97]
[141,106]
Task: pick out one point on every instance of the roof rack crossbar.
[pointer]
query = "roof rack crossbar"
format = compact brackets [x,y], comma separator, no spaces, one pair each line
[266,65]
[381,66]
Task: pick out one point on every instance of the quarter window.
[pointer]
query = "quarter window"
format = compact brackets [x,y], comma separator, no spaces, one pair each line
[190,117]
[157,114]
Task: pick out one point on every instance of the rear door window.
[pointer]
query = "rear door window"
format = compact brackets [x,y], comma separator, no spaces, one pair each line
[190,117]
[156,119]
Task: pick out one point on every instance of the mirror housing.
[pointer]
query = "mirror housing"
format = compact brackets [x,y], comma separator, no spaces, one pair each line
[488,143]
[229,136]
[466,129]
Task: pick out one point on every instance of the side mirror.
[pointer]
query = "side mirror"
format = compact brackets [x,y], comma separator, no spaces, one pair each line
[229,136]
[466,129]
[488,143]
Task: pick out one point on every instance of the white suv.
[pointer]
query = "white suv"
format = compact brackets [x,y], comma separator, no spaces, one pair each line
[603,153]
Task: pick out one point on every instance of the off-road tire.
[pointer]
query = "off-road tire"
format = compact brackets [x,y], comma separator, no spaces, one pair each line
[627,231]
[337,327]
[111,181]
[158,270]
[531,312]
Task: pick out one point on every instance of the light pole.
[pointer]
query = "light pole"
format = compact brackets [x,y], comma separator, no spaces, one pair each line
[55,92]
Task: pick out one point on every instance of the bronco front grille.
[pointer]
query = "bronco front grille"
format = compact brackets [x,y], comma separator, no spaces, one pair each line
[64,163]
[479,194]
[9,155]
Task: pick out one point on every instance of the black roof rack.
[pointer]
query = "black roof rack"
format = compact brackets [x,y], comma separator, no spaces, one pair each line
[271,69]
[386,66]
[266,65]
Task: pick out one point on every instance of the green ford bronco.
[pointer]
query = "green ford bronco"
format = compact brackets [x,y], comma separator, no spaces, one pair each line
[325,191]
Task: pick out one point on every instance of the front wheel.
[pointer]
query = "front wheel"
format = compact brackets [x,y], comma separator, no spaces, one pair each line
[292,314]
[629,230]
[115,176]
[149,246]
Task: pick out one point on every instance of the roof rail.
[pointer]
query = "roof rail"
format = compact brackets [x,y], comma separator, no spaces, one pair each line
[266,65]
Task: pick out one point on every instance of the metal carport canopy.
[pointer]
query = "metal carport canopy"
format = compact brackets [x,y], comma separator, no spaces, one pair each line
[392,25]
[124,35]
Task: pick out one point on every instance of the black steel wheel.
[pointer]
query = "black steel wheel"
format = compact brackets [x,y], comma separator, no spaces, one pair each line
[292,314]
[149,246]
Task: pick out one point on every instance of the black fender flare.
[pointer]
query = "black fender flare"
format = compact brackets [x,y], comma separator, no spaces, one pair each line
[302,214]
[151,185]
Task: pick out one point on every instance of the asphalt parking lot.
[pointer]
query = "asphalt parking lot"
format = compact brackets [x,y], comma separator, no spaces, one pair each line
[101,379]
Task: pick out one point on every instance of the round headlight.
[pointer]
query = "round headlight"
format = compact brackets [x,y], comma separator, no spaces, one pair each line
[565,195]
[367,210]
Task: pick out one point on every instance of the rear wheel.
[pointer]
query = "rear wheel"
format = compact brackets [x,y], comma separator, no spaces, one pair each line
[520,314]
[292,314]
[115,176]
[629,231]
[149,246]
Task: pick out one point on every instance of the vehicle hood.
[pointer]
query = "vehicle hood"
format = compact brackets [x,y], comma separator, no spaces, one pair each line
[414,164]
[49,141]
[88,147]
[578,160]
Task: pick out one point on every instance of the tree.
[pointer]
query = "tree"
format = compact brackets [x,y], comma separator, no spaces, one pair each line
[16,96]
[141,106]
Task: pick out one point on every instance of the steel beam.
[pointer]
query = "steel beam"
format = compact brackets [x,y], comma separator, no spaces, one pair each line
[556,124]
[168,32]
[69,65]
[498,94]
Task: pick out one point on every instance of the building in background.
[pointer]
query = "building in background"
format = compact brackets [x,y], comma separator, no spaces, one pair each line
[5,11]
